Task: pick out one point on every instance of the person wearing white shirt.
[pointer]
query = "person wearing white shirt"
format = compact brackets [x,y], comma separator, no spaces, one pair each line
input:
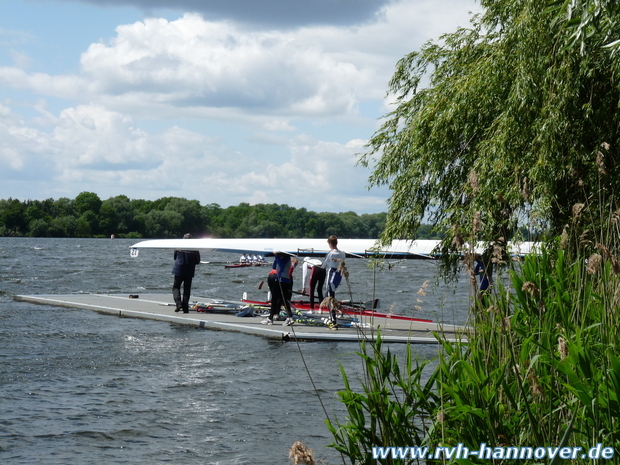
[331,263]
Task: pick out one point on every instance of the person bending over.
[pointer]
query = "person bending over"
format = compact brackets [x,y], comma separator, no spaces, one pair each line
[185,262]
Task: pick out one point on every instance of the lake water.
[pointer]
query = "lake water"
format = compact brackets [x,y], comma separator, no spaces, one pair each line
[80,387]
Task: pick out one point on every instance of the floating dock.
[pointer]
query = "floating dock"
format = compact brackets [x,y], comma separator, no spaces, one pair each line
[160,307]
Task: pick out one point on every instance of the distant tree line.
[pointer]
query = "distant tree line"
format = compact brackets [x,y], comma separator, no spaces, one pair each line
[170,217]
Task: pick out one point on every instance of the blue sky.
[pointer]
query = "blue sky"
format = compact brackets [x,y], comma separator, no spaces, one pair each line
[223,101]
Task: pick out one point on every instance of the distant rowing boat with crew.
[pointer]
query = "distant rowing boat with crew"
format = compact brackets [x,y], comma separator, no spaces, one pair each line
[245,265]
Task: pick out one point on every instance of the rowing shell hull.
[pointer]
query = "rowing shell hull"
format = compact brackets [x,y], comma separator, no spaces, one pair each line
[418,249]
[304,306]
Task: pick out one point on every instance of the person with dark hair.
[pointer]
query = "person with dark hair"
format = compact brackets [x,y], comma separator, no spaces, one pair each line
[185,262]
[486,280]
[289,293]
[481,270]
[280,282]
[315,279]
[333,261]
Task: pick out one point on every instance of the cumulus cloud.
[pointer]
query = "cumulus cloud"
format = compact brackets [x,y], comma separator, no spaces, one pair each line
[25,152]
[192,63]
[214,110]
[90,146]
[192,67]
[319,176]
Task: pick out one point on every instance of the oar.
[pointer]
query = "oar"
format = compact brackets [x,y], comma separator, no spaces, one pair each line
[368,305]
[353,254]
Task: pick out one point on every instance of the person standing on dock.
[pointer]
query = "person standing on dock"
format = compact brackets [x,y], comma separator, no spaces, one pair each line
[280,281]
[316,278]
[185,262]
[289,294]
[332,261]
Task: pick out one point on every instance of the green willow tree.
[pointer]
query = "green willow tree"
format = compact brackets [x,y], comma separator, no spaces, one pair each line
[514,120]
[587,18]
[501,124]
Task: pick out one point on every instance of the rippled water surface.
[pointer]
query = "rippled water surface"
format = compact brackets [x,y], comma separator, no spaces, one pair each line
[80,387]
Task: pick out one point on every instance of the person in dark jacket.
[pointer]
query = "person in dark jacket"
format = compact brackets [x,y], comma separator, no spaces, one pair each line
[483,272]
[185,262]
[280,281]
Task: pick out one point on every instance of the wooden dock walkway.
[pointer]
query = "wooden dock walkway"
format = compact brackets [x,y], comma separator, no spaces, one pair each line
[160,307]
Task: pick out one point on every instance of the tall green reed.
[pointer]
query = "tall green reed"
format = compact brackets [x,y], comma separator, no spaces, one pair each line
[541,358]
[539,367]
[387,411]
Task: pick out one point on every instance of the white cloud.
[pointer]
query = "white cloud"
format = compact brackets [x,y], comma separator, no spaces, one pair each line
[92,135]
[10,157]
[191,67]
[191,62]
[23,150]
[93,146]
[248,115]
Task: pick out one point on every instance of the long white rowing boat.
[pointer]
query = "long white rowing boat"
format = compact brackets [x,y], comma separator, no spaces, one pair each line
[418,249]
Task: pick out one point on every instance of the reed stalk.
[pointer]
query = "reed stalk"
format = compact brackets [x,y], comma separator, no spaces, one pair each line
[540,367]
